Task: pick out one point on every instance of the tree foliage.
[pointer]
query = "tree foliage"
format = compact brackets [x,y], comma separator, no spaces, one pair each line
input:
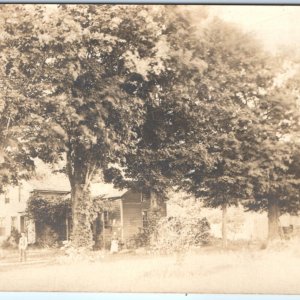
[273,155]
[77,66]
[146,99]
[15,161]
[48,210]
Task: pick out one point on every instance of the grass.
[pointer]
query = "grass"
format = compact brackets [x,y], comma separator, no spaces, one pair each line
[274,270]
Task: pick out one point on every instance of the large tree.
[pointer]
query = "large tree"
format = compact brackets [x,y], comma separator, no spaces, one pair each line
[75,66]
[210,158]
[168,97]
[194,135]
[274,154]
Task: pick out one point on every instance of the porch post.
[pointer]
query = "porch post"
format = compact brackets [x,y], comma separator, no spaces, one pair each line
[67,228]
[103,229]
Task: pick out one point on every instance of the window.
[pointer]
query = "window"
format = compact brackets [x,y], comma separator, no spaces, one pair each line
[2,226]
[14,223]
[6,199]
[145,197]
[145,218]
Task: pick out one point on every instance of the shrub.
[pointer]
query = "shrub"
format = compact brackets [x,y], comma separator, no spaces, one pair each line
[49,238]
[12,241]
[141,239]
[73,255]
[15,234]
[6,244]
[144,236]
[177,234]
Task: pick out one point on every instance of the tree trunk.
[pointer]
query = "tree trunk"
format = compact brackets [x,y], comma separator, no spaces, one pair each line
[82,235]
[157,205]
[273,220]
[155,213]
[80,169]
[224,225]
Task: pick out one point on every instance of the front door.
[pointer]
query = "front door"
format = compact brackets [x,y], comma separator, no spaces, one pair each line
[22,224]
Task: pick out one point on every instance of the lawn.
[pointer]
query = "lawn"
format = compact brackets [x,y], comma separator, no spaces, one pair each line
[273,270]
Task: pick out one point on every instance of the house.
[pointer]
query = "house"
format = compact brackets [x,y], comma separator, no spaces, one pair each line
[13,202]
[127,215]
[290,225]
[13,213]
[125,212]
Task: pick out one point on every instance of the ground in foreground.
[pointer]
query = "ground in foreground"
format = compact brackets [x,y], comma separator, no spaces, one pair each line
[205,271]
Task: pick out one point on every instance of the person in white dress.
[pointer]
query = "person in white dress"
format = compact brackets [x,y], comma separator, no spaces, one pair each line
[114,247]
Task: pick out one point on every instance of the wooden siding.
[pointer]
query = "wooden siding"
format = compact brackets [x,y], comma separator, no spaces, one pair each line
[132,214]
[128,216]
[134,203]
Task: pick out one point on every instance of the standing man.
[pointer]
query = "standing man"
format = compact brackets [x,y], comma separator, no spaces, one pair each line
[23,243]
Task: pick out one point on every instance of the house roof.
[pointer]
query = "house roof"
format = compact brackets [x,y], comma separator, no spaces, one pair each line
[49,191]
[116,194]
[106,191]
[111,196]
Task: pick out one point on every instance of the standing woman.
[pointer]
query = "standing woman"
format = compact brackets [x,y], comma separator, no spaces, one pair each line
[114,248]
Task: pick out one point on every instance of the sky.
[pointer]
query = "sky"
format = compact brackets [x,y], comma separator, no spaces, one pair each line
[275,26]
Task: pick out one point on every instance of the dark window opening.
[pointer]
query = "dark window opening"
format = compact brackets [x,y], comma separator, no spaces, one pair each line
[145,196]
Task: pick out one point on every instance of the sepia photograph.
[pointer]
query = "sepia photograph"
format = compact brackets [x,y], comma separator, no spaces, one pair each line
[150,148]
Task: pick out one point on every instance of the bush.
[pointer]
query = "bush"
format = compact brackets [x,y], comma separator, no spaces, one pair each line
[177,234]
[49,238]
[73,255]
[7,244]
[141,239]
[12,241]
[15,234]
[144,236]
